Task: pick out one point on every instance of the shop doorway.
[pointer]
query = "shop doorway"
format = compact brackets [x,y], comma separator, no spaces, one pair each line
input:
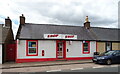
[60,49]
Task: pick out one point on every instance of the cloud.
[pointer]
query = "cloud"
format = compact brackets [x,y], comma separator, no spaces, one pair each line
[1,19]
[102,13]
[73,12]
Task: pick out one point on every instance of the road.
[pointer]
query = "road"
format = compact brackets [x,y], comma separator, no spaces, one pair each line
[87,67]
[95,69]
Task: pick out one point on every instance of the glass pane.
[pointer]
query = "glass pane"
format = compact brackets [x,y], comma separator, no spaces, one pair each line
[108,46]
[60,49]
[108,43]
[32,50]
[32,47]
[32,44]
[85,47]
[85,44]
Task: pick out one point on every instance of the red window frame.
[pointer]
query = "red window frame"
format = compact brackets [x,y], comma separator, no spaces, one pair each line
[27,49]
[88,47]
[64,48]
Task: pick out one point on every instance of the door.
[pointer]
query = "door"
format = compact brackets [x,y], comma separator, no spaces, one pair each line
[10,52]
[61,47]
[108,46]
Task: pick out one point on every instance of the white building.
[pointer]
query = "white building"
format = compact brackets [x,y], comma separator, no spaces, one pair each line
[48,42]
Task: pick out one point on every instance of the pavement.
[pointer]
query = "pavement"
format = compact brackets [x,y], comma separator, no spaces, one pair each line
[9,65]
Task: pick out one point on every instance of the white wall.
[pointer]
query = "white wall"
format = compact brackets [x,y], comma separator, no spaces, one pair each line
[75,49]
[0,53]
[49,47]
[92,47]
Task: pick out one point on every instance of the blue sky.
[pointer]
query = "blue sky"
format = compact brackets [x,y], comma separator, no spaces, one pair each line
[102,13]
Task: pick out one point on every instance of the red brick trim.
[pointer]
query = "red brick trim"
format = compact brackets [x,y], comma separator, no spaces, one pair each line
[49,59]
[16,49]
[34,60]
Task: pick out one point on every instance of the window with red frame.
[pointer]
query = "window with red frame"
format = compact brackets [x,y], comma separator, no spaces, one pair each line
[32,48]
[86,47]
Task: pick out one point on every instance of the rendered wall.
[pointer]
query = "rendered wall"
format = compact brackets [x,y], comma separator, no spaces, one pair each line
[75,49]
[48,46]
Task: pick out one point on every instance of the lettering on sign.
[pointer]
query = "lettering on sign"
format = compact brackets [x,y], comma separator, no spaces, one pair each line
[60,36]
[68,36]
[53,35]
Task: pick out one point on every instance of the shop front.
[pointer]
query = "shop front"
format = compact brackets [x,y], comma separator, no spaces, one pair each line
[54,47]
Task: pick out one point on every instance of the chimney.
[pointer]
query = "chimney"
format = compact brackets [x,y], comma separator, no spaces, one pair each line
[8,23]
[22,20]
[87,23]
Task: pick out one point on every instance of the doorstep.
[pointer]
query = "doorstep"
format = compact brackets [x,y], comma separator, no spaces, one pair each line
[9,65]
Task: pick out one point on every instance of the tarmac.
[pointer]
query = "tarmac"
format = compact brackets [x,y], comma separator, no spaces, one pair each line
[9,65]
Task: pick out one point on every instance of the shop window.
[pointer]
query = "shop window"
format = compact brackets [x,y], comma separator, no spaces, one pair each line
[32,47]
[86,47]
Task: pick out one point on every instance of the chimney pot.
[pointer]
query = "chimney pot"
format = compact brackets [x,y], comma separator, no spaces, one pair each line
[22,14]
[8,17]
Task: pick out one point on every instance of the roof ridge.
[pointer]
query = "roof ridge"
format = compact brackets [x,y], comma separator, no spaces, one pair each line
[105,28]
[68,25]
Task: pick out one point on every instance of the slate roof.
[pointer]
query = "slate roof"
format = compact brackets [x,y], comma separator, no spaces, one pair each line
[4,32]
[37,31]
[107,34]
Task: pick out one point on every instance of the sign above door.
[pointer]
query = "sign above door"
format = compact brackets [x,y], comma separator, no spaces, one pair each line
[60,36]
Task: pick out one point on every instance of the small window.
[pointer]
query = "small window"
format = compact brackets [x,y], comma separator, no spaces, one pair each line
[86,47]
[32,48]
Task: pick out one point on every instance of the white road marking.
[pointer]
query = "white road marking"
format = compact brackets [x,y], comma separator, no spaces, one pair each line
[53,70]
[77,69]
[114,66]
[98,67]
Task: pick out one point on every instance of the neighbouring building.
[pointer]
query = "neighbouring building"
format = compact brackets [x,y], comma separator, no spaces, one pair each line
[6,40]
[0,43]
[49,42]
